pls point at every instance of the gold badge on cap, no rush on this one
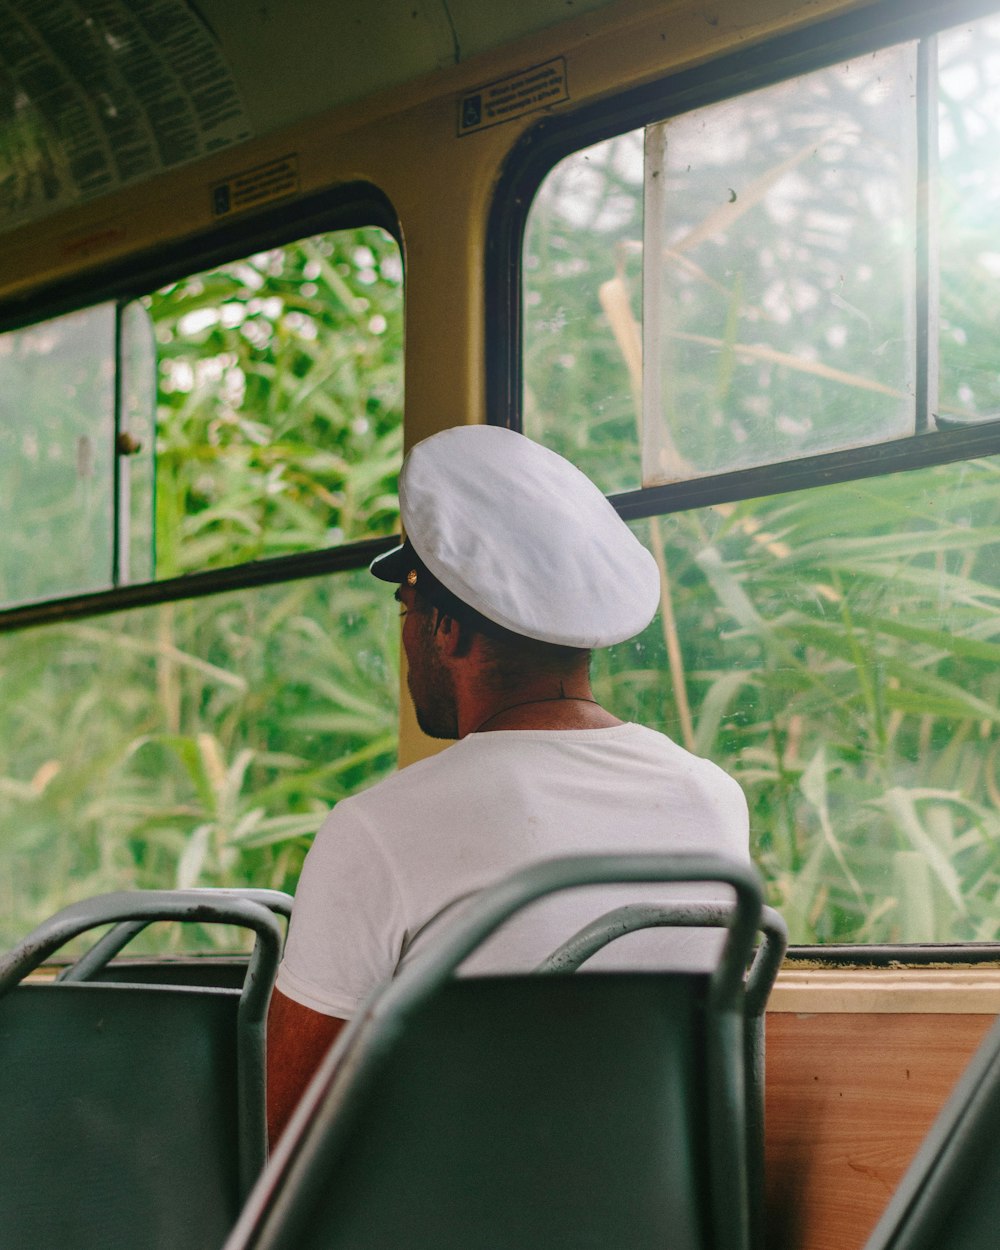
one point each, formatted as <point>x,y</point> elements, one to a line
<point>411,577</point>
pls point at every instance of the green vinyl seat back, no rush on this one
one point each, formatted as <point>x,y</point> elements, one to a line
<point>601,1110</point>
<point>555,1116</point>
<point>119,1111</point>
<point>576,950</point>
<point>132,1115</point>
<point>949,1197</point>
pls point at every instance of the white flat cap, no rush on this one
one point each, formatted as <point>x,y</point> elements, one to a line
<point>521,535</point>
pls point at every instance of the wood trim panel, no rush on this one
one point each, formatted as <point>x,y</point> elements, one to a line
<point>849,1098</point>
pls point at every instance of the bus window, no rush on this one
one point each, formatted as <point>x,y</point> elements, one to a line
<point>725,311</point>
<point>199,737</point>
<point>277,385</point>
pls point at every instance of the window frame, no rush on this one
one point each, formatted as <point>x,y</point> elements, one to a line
<point>764,64</point>
<point>349,206</point>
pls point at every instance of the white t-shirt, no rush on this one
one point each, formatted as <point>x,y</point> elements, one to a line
<point>387,864</point>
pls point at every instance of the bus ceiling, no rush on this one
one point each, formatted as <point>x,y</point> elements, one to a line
<point>95,97</point>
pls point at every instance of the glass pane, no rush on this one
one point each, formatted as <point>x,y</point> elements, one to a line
<point>582,291</point>
<point>195,743</point>
<point>969,207</point>
<point>838,651</point>
<point>280,402</point>
<point>778,298</point>
<point>56,468</point>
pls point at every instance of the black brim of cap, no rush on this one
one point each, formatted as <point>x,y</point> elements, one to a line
<point>393,566</point>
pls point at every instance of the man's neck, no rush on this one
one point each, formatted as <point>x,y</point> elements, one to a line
<point>535,710</point>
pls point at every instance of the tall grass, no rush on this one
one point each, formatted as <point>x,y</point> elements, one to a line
<point>840,654</point>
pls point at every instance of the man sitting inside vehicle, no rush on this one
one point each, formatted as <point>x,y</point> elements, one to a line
<point>514,568</point>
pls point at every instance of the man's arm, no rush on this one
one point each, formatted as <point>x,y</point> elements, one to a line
<point>297,1040</point>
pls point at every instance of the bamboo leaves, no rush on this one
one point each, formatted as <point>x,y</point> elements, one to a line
<point>846,671</point>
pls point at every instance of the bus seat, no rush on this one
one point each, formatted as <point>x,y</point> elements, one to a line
<point>576,950</point>
<point>529,1111</point>
<point>133,1115</point>
<point>949,1197</point>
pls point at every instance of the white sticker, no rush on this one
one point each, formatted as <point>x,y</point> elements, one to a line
<point>511,97</point>
<point>258,185</point>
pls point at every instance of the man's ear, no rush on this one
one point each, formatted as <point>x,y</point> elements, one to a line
<point>454,637</point>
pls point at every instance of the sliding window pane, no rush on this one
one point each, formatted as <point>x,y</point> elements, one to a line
<point>582,274</point>
<point>56,456</point>
<point>779,272</point>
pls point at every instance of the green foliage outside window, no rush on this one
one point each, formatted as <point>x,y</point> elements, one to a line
<point>838,651</point>
<point>280,383</point>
